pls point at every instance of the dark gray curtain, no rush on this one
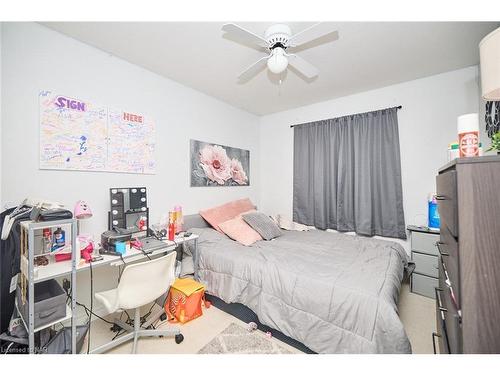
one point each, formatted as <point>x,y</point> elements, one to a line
<point>347,174</point>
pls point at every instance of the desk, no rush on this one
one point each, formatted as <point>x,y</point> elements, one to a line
<point>58,269</point>
<point>31,274</point>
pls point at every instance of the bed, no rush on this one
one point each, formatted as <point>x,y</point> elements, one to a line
<point>332,292</point>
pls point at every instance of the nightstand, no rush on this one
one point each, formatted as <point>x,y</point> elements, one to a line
<point>425,255</point>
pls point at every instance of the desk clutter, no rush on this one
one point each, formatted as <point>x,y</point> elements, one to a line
<point>45,238</point>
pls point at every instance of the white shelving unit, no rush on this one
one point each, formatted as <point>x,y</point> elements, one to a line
<point>31,274</point>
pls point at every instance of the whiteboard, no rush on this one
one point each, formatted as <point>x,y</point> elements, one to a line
<point>80,135</point>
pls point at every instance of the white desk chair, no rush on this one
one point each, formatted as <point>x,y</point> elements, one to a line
<point>140,284</point>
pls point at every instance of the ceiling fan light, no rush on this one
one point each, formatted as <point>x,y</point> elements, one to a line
<point>278,62</point>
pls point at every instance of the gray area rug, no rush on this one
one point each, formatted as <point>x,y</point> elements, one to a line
<point>237,340</point>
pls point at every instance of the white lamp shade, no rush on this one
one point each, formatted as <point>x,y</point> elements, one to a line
<point>489,51</point>
<point>278,62</point>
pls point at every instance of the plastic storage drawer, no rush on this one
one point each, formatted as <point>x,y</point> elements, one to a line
<point>50,303</point>
<point>425,264</point>
<point>423,285</point>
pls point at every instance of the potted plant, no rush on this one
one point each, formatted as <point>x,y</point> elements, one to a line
<point>495,142</point>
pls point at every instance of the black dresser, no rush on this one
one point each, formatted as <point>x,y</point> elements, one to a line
<point>468,295</point>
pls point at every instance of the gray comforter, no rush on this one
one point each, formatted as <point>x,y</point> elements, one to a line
<point>333,292</point>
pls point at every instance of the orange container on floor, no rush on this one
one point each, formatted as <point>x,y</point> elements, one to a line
<point>184,300</point>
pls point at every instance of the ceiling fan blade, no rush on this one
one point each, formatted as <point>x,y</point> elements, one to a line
<point>253,69</point>
<point>316,31</point>
<point>244,35</point>
<point>305,68</point>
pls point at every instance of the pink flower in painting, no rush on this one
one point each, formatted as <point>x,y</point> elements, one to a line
<point>215,163</point>
<point>238,173</point>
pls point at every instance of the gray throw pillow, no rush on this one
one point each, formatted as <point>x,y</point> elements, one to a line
<point>263,225</point>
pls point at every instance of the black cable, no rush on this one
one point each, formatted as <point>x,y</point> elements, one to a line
<point>146,316</point>
<point>151,308</point>
<point>119,333</point>
<point>91,304</point>
<point>128,316</point>
<point>162,306</point>
<point>93,313</point>
<point>140,248</point>
<point>121,271</point>
<point>87,311</point>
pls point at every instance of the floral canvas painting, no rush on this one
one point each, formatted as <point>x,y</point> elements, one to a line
<point>217,165</point>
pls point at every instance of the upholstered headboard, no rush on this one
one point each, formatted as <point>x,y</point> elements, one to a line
<point>195,221</point>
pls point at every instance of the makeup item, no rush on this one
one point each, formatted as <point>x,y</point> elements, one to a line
<point>468,135</point>
<point>178,219</point>
<point>171,225</point>
<point>171,231</point>
<point>59,239</point>
<point>47,240</point>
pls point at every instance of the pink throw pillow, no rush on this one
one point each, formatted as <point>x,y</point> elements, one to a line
<point>240,231</point>
<point>220,214</point>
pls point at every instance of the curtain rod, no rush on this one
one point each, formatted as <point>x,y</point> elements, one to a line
<point>398,107</point>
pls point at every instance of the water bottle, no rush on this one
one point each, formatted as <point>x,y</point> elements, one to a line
<point>434,221</point>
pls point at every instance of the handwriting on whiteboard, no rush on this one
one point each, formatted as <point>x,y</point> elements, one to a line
<point>80,135</point>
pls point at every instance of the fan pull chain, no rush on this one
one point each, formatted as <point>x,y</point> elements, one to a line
<point>280,83</point>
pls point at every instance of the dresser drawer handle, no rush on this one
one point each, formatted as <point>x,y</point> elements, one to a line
<point>434,335</point>
<point>441,197</point>
<point>438,245</point>
<point>438,301</point>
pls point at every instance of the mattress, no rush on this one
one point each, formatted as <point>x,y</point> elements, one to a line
<point>333,292</point>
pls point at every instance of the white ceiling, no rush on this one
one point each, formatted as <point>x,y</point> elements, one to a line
<point>367,55</point>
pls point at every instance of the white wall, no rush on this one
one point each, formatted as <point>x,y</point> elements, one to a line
<point>36,58</point>
<point>427,124</point>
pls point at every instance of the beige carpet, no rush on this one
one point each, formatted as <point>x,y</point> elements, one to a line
<point>417,314</point>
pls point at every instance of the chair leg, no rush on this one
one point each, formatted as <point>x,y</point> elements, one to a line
<point>137,332</point>
<point>113,344</point>
<point>137,327</point>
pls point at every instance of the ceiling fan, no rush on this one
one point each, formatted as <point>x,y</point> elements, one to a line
<point>278,40</point>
